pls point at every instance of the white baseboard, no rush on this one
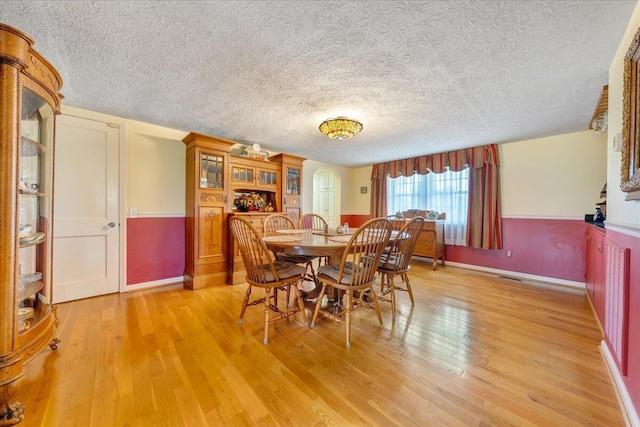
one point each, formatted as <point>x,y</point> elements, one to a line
<point>518,275</point>
<point>154,283</point>
<point>628,410</point>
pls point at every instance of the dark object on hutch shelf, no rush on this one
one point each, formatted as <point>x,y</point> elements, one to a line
<point>589,218</point>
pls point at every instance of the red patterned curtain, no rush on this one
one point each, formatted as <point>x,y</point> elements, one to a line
<point>484,228</point>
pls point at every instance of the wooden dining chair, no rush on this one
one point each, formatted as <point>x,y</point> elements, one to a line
<point>355,273</point>
<point>396,262</point>
<point>275,222</point>
<point>312,221</point>
<point>263,272</point>
<point>278,222</point>
<point>397,222</point>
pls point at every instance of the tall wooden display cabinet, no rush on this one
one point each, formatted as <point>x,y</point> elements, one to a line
<point>207,207</point>
<point>29,100</point>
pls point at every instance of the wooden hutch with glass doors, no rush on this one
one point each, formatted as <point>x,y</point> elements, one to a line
<point>215,178</point>
<point>29,101</point>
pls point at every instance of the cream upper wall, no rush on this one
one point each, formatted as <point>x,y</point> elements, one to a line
<point>534,183</point>
<point>359,203</point>
<point>619,211</point>
<point>155,170</point>
<point>555,177</point>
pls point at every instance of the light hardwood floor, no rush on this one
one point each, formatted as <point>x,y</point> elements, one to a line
<point>474,350</point>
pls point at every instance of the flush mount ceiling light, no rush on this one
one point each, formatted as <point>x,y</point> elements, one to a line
<point>340,128</point>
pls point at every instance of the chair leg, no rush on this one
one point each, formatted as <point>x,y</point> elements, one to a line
<point>266,314</point>
<point>318,304</point>
<point>313,272</point>
<point>348,308</point>
<point>405,278</point>
<point>376,306</point>
<point>300,303</point>
<point>288,296</point>
<point>244,304</point>
<point>392,289</point>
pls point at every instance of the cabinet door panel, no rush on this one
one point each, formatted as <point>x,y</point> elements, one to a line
<point>210,237</point>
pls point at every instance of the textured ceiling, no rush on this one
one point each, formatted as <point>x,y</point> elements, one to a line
<point>422,77</point>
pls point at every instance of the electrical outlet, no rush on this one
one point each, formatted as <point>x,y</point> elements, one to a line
<point>509,254</point>
<point>133,212</point>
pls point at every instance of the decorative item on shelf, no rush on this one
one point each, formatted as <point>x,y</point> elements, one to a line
<point>31,238</point>
<point>256,152</point>
<point>249,202</point>
<point>601,207</point>
<point>432,215</point>
<point>25,313</point>
<point>340,128</point>
<point>24,229</point>
<point>28,278</point>
<point>23,326</point>
<point>599,217</point>
<point>268,208</point>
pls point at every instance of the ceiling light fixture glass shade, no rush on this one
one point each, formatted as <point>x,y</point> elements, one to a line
<point>340,128</point>
<point>600,124</point>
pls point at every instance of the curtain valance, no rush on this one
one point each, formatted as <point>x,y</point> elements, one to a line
<point>475,158</point>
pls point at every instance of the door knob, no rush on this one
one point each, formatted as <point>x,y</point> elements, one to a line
<point>111,224</point>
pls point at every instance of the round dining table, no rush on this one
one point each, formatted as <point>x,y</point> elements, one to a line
<point>310,243</point>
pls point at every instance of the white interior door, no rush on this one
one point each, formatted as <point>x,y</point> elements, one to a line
<point>86,223</point>
<point>326,195</point>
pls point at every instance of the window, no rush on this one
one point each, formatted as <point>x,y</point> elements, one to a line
<point>446,192</point>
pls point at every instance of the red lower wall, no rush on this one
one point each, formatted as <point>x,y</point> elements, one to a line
<point>155,249</point>
<point>354,220</point>
<point>553,248</point>
<point>632,380</point>
<point>545,247</point>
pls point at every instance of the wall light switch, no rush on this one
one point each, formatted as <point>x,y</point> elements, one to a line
<point>133,212</point>
<point>617,142</point>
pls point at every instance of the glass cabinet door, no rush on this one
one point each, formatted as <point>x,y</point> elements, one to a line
<point>268,177</point>
<point>293,181</point>
<point>211,171</point>
<point>242,174</point>
<point>34,204</point>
